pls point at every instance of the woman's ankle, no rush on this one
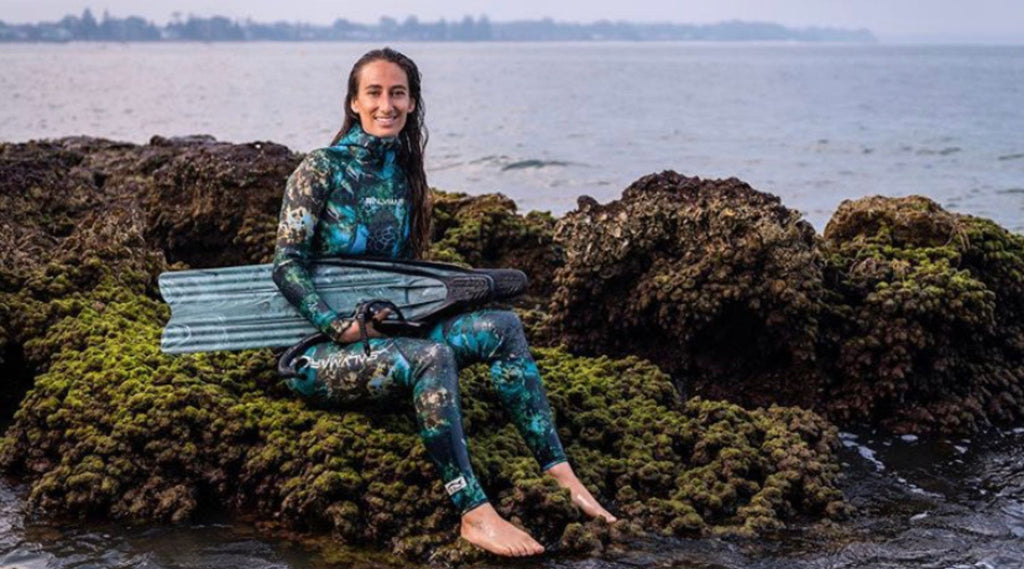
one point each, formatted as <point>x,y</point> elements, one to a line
<point>483,511</point>
<point>561,471</point>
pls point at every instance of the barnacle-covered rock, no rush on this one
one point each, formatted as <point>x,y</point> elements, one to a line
<point>486,231</point>
<point>61,237</point>
<point>202,202</point>
<point>79,211</point>
<point>114,427</point>
<point>210,203</point>
<point>930,318</point>
<point>717,283</point>
<point>213,203</point>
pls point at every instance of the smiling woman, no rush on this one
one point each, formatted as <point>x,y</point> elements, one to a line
<point>367,195</point>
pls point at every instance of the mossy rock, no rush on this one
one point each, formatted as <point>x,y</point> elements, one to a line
<point>717,283</point>
<point>487,231</point>
<point>203,202</point>
<point>928,332</point>
<point>79,211</point>
<point>116,428</point>
<point>211,204</point>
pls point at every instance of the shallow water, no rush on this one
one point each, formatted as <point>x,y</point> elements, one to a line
<point>547,122</point>
<point>920,504</point>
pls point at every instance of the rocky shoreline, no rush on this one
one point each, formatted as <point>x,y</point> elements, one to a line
<point>701,340</point>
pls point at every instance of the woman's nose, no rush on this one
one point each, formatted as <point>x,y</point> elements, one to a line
<point>385,102</point>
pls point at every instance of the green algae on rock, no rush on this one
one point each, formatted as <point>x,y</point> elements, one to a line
<point>104,249</point>
<point>75,210</point>
<point>114,427</point>
<point>486,231</point>
<point>717,283</point>
<point>929,317</point>
<point>78,212</point>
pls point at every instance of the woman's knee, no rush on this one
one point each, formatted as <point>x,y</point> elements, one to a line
<point>434,364</point>
<point>440,357</point>
<point>497,332</point>
<point>502,322</point>
<point>436,389</point>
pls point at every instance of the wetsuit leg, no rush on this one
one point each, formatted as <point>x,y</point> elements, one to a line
<point>337,376</point>
<point>496,337</point>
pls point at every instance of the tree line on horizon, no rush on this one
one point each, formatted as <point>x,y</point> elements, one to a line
<point>219,28</point>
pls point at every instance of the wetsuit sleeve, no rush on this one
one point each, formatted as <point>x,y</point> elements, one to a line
<point>305,196</point>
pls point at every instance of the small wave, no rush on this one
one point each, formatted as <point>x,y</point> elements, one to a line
<point>521,164</point>
<point>1012,156</point>
<point>944,152</point>
<point>1011,191</point>
<point>446,166</point>
<point>491,158</point>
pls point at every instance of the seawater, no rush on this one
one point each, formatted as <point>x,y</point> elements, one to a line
<point>546,122</point>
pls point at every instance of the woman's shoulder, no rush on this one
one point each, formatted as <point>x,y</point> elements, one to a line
<point>328,155</point>
<point>325,160</point>
<point>330,167</point>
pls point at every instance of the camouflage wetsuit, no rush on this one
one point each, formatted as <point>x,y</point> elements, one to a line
<point>352,199</point>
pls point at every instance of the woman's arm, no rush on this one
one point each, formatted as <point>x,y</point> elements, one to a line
<point>305,195</point>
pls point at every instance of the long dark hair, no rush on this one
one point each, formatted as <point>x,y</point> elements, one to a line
<point>412,141</point>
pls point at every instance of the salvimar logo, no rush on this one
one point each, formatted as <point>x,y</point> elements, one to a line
<point>382,201</point>
<point>455,485</point>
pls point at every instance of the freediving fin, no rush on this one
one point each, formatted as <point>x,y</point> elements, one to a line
<point>235,308</point>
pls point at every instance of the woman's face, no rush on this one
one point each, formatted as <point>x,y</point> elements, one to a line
<point>383,100</point>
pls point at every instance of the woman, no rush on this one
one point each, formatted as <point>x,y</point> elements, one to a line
<point>367,194</point>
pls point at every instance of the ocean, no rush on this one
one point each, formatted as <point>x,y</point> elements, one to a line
<point>545,123</point>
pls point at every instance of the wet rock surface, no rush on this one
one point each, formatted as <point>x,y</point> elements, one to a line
<point>921,503</point>
<point>199,201</point>
<point>210,203</point>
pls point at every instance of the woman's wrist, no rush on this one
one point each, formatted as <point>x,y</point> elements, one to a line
<point>343,330</point>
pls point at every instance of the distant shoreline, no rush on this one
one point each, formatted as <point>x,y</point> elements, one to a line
<point>135,29</point>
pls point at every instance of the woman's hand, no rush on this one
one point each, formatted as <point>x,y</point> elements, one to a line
<point>378,317</point>
<point>349,334</point>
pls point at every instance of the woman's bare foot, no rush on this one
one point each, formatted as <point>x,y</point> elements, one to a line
<point>484,528</point>
<point>582,497</point>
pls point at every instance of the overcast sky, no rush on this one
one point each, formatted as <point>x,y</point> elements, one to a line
<point>892,20</point>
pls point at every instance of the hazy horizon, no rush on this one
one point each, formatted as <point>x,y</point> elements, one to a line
<point>981,21</point>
